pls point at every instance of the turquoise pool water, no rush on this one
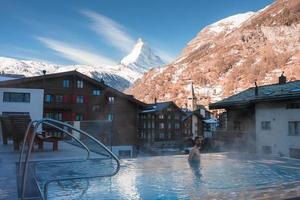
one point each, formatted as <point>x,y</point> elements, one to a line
<point>219,176</point>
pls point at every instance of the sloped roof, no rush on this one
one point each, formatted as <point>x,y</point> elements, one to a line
<point>274,92</point>
<point>159,106</point>
<point>190,113</point>
<point>74,72</point>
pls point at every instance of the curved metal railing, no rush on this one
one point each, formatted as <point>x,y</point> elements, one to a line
<point>23,170</point>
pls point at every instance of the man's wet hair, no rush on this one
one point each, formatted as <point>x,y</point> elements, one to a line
<point>196,138</point>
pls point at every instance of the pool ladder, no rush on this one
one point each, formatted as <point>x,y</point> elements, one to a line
<point>24,165</point>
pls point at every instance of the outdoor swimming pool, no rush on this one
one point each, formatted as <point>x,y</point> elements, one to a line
<point>220,175</point>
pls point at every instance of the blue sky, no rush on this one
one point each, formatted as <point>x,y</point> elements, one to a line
<point>104,31</point>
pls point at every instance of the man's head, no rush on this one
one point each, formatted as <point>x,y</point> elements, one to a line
<point>197,141</point>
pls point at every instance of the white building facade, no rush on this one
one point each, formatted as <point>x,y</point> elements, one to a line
<point>21,101</point>
<point>278,128</point>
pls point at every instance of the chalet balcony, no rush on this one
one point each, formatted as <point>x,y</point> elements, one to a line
<point>58,106</point>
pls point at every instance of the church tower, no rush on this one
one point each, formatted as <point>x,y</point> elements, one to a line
<point>192,100</point>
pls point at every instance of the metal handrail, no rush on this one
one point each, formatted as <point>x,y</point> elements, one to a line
<point>48,122</point>
<point>23,146</point>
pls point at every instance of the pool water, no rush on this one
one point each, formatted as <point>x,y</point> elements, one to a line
<point>219,176</point>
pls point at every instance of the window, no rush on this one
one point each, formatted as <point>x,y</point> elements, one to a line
<point>169,125</point>
<point>295,153</point>
<point>294,128</point>
<point>16,97</point>
<point>293,106</point>
<point>169,116</point>
<point>161,135</point>
<point>110,117</point>
<point>66,83</point>
<point>160,116</point>
<point>48,98</point>
<point>237,125</point>
<point>96,108</point>
<point>266,125</point>
<point>79,84</point>
<point>177,125</point>
<point>111,100</point>
<point>59,98</point>
<point>96,92</point>
<point>170,135</point>
<point>49,115</point>
<point>79,117</point>
<point>149,124</point>
<point>79,99</point>
<point>144,125</point>
<point>177,116</point>
<point>161,125</point>
<point>15,113</point>
<point>153,124</point>
<point>124,153</point>
<point>266,149</point>
<point>58,116</point>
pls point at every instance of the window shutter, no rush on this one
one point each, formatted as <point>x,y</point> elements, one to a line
<point>85,116</point>
<point>66,116</point>
<point>73,116</point>
<point>74,99</point>
<point>85,99</point>
<point>106,100</point>
<point>65,99</point>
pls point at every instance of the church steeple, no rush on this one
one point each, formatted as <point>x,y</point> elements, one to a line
<point>192,99</point>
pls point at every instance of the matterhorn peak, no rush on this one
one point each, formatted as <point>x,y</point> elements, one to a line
<point>140,40</point>
<point>141,58</point>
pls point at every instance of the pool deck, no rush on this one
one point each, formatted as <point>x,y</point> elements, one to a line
<point>9,157</point>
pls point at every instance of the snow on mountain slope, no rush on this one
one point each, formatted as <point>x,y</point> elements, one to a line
<point>230,23</point>
<point>120,76</point>
<point>141,58</point>
<point>25,67</point>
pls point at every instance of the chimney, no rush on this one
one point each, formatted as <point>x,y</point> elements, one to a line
<point>155,100</point>
<point>282,79</point>
<point>256,89</point>
<point>44,72</point>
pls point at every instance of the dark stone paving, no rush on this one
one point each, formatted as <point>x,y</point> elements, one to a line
<point>8,181</point>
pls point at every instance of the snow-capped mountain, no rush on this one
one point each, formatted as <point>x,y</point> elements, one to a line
<point>142,58</point>
<point>228,56</point>
<point>120,76</point>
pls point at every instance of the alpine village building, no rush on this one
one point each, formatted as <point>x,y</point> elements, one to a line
<point>127,122</point>
<point>265,119</point>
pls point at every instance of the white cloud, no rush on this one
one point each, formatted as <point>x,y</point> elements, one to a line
<point>76,54</point>
<point>113,32</point>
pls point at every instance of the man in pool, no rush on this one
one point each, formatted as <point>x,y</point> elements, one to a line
<point>194,155</point>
